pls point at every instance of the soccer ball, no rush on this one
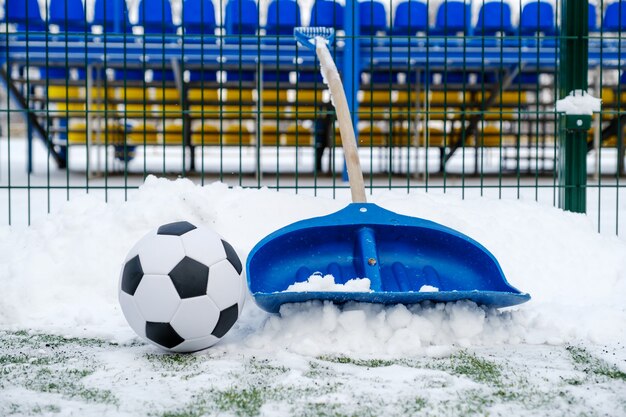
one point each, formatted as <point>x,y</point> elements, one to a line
<point>181,287</point>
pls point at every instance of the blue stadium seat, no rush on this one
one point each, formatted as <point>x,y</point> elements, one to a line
<point>327,13</point>
<point>282,17</point>
<point>494,17</point>
<point>69,15</point>
<point>453,17</point>
<point>25,14</point>
<point>411,17</point>
<point>156,16</point>
<point>116,14</point>
<point>242,17</point>
<point>537,17</point>
<point>593,18</point>
<point>372,18</point>
<point>199,17</point>
<point>615,17</point>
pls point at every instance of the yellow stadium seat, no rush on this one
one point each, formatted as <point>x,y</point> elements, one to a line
<point>65,99</point>
<point>203,95</point>
<point>404,137</point>
<point>374,105</point>
<point>204,103</point>
<point>275,104</point>
<point>239,104</point>
<point>445,98</point>
<point>271,135</point>
<point>172,134</point>
<point>490,136</point>
<point>167,103</point>
<point>236,134</point>
<point>143,134</point>
<point>368,136</point>
<point>305,112</point>
<point>307,96</point>
<point>297,135</point>
<point>404,98</point>
<point>110,133</point>
<point>101,100</point>
<point>134,101</point>
<point>505,107</point>
<point>205,134</point>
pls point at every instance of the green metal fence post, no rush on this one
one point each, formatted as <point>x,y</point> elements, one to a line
<point>573,133</point>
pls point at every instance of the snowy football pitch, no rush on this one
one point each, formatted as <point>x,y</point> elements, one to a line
<point>66,350</point>
<point>45,374</point>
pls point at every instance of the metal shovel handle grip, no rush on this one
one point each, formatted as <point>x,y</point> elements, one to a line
<point>348,141</point>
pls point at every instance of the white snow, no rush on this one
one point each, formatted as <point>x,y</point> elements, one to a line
<point>579,102</point>
<point>428,288</point>
<point>60,275</point>
<point>319,282</point>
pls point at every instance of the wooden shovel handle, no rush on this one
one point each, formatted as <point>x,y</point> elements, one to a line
<point>348,141</point>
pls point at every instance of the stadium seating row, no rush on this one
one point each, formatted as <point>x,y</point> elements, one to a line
<point>242,17</point>
<point>211,112</point>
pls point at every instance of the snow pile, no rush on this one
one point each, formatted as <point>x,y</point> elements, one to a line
<point>61,274</point>
<point>428,288</point>
<point>579,102</point>
<point>397,330</point>
<point>319,282</point>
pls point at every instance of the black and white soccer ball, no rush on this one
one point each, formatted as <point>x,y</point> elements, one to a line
<point>181,287</point>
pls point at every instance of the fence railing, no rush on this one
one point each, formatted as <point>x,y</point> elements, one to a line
<point>447,96</point>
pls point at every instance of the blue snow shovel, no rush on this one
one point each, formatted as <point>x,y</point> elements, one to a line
<point>407,260</point>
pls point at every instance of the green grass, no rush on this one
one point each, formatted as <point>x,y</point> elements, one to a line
<point>366,363</point>
<point>51,364</point>
<point>41,340</point>
<point>236,401</point>
<point>320,409</point>
<point>57,371</point>
<point>241,402</point>
<point>471,366</point>
<point>21,409</point>
<point>265,367</point>
<point>171,361</point>
<point>593,366</point>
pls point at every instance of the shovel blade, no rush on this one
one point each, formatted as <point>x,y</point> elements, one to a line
<point>399,254</point>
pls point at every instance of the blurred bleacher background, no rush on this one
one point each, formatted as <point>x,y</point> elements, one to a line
<point>105,89</point>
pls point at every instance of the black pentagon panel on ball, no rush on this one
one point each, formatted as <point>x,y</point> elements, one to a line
<point>176,229</point>
<point>228,317</point>
<point>190,278</point>
<point>163,334</point>
<point>131,276</point>
<point>232,257</point>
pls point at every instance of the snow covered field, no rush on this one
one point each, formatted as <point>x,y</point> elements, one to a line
<point>65,348</point>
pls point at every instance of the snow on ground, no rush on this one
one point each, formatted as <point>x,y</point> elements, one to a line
<point>67,349</point>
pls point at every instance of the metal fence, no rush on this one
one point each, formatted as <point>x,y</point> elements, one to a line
<point>446,96</point>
